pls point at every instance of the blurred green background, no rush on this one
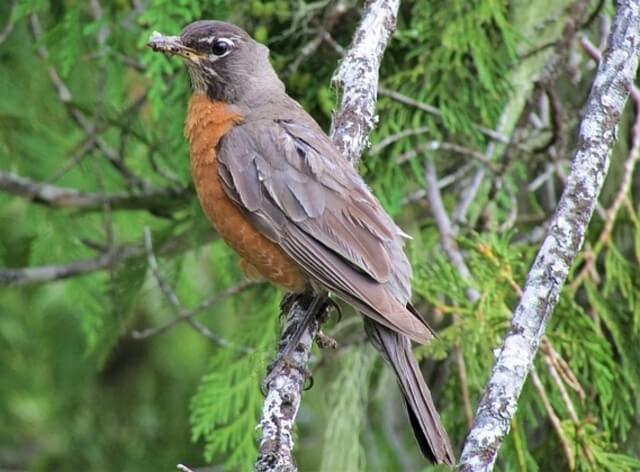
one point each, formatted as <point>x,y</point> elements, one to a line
<point>92,155</point>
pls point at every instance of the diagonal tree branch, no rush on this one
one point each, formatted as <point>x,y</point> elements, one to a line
<point>74,112</point>
<point>107,260</point>
<point>425,107</point>
<point>159,201</point>
<point>567,227</point>
<point>611,213</point>
<point>357,77</point>
<point>51,273</point>
<point>182,313</point>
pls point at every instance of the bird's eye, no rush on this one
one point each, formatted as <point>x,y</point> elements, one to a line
<point>220,47</point>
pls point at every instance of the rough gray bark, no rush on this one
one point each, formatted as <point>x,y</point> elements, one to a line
<point>357,77</point>
<point>284,395</point>
<point>608,96</point>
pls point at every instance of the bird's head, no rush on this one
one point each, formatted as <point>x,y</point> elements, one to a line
<point>224,62</point>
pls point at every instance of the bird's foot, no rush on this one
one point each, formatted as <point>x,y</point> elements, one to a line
<point>317,307</point>
<point>331,303</point>
<point>278,367</point>
<point>325,342</point>
<point>295,331</point>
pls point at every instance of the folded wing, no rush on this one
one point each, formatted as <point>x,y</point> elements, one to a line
<point>299,192</point>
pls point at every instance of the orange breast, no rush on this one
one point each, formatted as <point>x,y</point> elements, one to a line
<point>207,122</point>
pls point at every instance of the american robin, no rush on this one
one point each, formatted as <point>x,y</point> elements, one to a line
<point>279,193</point>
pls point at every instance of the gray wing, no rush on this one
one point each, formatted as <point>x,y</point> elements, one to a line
<point>299,192</point>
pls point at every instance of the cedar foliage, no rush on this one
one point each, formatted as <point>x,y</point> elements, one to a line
<point>78,392</point>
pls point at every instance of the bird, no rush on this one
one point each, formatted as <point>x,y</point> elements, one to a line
<point>281,195</point>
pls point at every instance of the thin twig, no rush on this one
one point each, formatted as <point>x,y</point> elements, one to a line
<point>393,138</point>
<point>505,124</point>
<point>337,10</point>
<point>82,151</point>
<point>78,117</point>
<point>555,421</point>
<point>444,146</point>
<point>181,312</point>
<point>8,28</point>
<point>566,399</point>
<point>184,315</point>
<point>105,261</point>
<point>464,384</point>
<point>159,201</point>
<point>401,98</point>
<point>562,368</point>
<point>450,247</point>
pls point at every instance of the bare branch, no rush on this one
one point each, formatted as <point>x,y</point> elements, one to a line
<point>159,201</point>
<point>447,232</point>
<point>107,260</point>
<point>8,28</point>
<point>172,298</point>
<point>185,315</point>
<point>284,395</point>
<point>398,97</point>
<point>451,250</point>
<point>450,247</point>
<point>609,93</point>
<point>357,78</point>
<point>36,275</point>
<point>629,166</point>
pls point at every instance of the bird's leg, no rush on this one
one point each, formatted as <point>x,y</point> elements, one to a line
<point>290,340</point>
<point>287,302</point>
<point>316,309</point>
<point>322,340</point>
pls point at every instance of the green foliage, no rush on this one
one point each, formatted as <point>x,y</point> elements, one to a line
<point>79,393</point>
<point>227,404</point>
<point>347,400</point>
<point>466,47</point>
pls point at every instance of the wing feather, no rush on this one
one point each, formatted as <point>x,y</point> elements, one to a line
<point>300,193</point>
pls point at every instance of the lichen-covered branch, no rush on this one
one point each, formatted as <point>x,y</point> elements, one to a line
<point>567,227</point>
<point>357,77</point>
<point>284,395</point>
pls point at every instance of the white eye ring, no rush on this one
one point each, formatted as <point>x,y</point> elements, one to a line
<point>220,47</point>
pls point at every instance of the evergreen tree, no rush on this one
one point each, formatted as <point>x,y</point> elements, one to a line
<point>129,339</point>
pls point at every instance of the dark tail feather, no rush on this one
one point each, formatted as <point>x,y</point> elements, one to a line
<point>396,350</point>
